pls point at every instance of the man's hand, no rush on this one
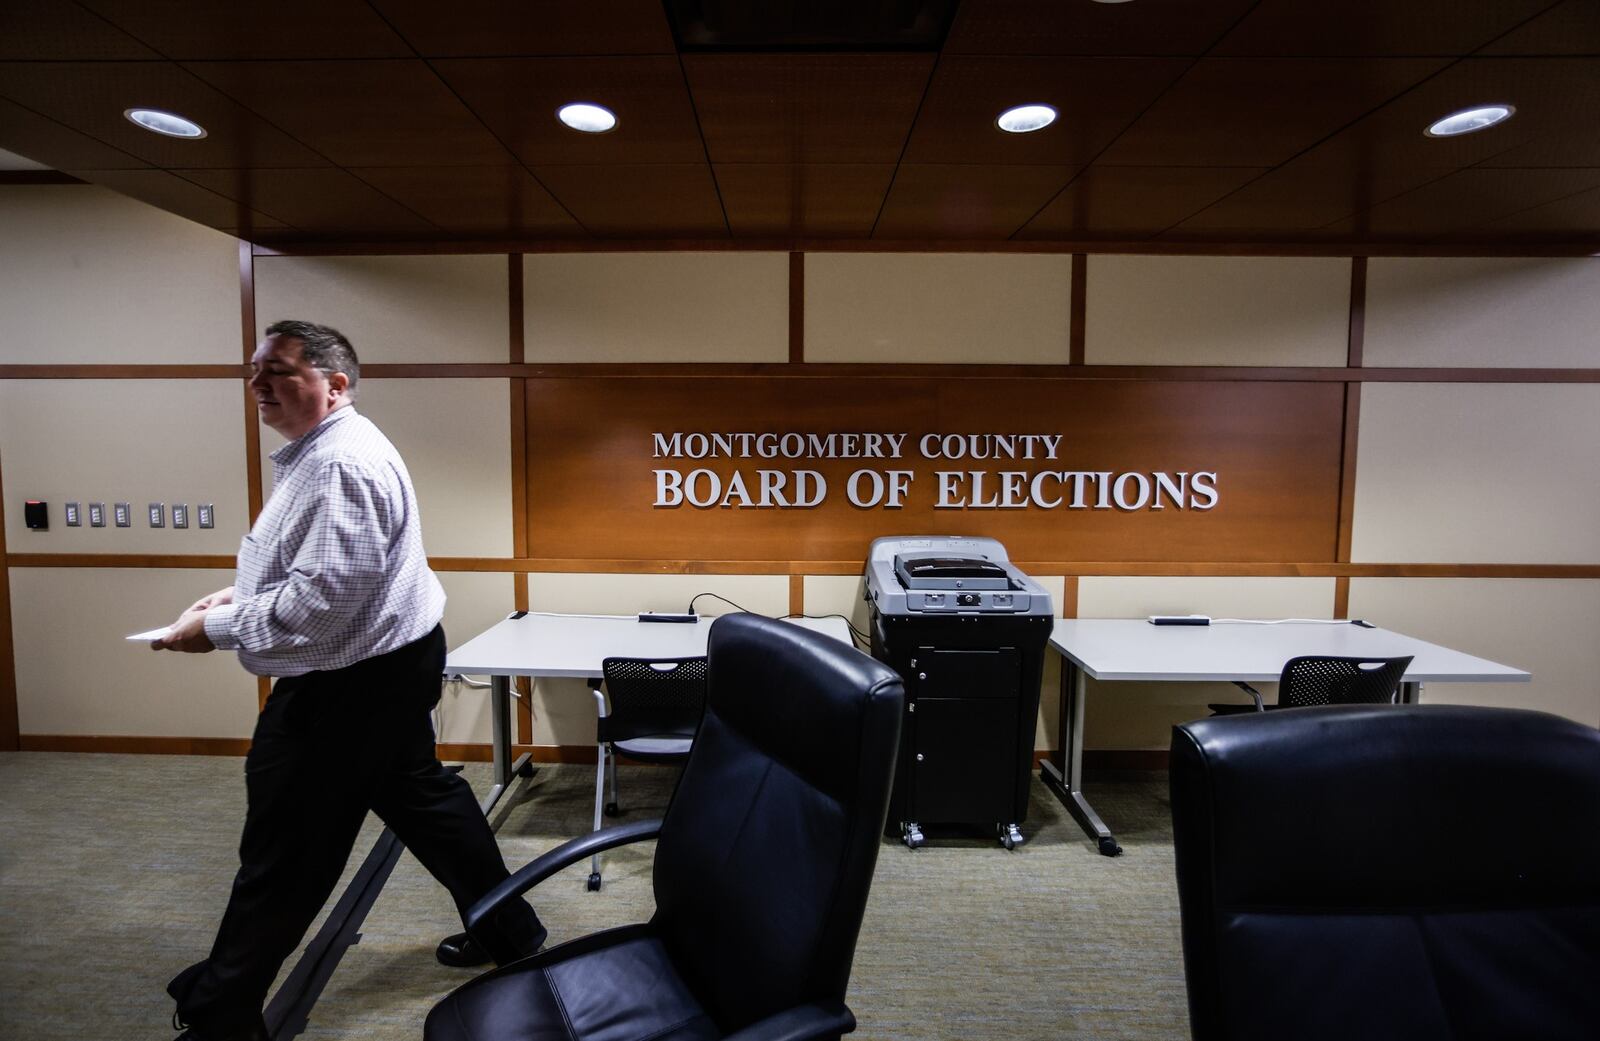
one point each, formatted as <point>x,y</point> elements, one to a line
<point>217,599</point>
<point>188,633</point>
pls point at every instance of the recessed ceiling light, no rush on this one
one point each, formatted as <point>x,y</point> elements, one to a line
<point>1025,119</point>
<point>1469,120</point>
<point>165,123</point>
<point>587,118</point>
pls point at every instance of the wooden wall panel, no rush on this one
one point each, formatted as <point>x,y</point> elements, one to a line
<point>1274,447</point>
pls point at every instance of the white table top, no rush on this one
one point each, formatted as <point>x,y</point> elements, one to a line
<point>1133,649</point>
<point>575,645</point>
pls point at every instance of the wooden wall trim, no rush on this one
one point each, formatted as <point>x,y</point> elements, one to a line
<point>1341,597</point>
<point>1358,312</point>
<point>517,352</point>
<point>8,659</point>
<point>134,744</point>
<point>1069,597</point>
<point>797,308</point>
<point>838,370</point>
<point>797,594</point>
<point>139,560</point>
<point>1566,248</point>
<point>1079,309</point>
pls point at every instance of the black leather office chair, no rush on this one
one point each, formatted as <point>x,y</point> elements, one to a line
<point>649,712</point>
<point>1418,872</point>
<point>1312,680</point>
<point>762,866</point>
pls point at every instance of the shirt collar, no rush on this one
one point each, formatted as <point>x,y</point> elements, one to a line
<point>285,454</point>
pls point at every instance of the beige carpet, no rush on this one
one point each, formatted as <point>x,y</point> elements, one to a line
<point>114,870</point>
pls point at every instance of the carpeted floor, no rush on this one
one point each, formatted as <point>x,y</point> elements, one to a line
<point>114,871</point>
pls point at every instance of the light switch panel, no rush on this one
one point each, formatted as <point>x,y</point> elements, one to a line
<point>74,518</point>
<point>180,515</point>
<point>97,515</point>
<point>158,515</point>
<point>122,514</point>
<point>207,519</point>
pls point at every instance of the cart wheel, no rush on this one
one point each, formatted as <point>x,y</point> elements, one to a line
<point>594,882</point>
<point>613,810</point>
<point>1008,842</point>
<point>1010,835</point>
<point>911,835</point>
<point>527,769</point>
<point>1109,847</point>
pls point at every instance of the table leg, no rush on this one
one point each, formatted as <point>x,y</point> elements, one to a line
<point>504,768</point>
<point>1410,693</point>
<point>1068,785</point>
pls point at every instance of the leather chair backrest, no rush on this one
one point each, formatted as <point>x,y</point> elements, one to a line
<point>1417,872</point>
<point>767,850</point>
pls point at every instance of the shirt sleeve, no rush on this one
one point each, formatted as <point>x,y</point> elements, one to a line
<point>339,561</point>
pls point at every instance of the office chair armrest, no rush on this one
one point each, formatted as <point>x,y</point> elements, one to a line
<point>564,855</point>
<point>800,1023</point>
<point>1261,706</point>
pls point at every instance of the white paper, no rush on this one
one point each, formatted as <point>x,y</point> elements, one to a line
<point>153,634</point>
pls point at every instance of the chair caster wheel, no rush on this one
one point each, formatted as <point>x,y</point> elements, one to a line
<point>1010,835</point>
<point>613,810</point>
<point>594,882</point>
<point>1109,847</point>
<point>527,769</point>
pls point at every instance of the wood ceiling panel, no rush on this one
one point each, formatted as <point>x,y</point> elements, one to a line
<point>1572,27</point>
<point>1575,217</point>
<point>1373,27</point>
<point>518,98</point>
<point>530,27</point>
<point>170,192</point>
<point>813,108</point>
<point>645,201</point>
<point>474,200</point>
<point>49,30</point>
<point>91,96</point>
<point>802,201</point>
<point>1148,27</point>
<point>319,203</point>
<point>289,29</point>
<point>1097,99</point>
<point>966,202</point>
<point>1299,198</point>
<point>46,141</point>
<point>1126,202</point>
<point>361,113</point>
<point>1463,201</point>
<point>1260,111</point>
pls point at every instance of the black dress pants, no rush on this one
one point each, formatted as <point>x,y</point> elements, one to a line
<point>328,747</point>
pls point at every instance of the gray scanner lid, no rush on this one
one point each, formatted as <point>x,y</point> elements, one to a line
<point>917,572</point>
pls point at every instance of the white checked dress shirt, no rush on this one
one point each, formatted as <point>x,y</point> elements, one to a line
<point>333,571</point>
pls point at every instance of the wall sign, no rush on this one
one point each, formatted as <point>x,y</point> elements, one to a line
<point>774,469</point>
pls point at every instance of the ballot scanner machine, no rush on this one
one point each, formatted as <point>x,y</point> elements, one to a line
<point>966,629</point>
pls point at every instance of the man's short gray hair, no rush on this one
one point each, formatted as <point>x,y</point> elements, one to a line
<point>323,347</point>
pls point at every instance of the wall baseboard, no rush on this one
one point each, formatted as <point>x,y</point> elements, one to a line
<point>1106,759</point>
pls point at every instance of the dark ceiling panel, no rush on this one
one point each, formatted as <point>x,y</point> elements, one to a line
<point>503,28</point>
<point>1373,27</point>
<point>966,202</point>
<point>802,201</point>
<point>290,29</point>
<point>1463,201</point>
<point>1097,99</point>
<point>91,97</point>
<point>361,113</point>
<point>473,201</point>
<point>326,203</point>
<point>1260,111</point>
<point>518,98</point>
<point>51,30</point>
<point>46,141</point>
<point>174,194</point>
<point>1055,27</point>
<point>1572,27</point>
<point>817,108</point>
<point>639,201</point>
<point>1565,220</point>
<point>1130,202</point>
<point>1300,197</point>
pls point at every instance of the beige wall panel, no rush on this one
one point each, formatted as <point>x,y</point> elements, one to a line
<point>92,277</point>
<point>395,309</point>
<point>134,441</point>
<point>1146,310</point>
<point>837,594</point>
<point>996,308</point>
<point>1478,473</point>
<point>77,675</point>
<point>564,709</point>
<point>1141,715</point>
<point>455,437</point>
<point>656,307</point>
<point>476,601</point>
<point>1545,626</point>
<point>1483,311</point>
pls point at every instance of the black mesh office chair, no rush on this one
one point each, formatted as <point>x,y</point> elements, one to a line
<point>654,709</point>
<point>1313,680</point>
<point>762,866</point>
<point>1406,873</point>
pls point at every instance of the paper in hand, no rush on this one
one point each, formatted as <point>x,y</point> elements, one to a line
<point>152,635</point>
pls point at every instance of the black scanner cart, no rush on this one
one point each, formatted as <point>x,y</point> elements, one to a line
<point>966,630</point>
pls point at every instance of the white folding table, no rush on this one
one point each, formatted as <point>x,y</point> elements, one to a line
<point>1134,649</point>
<point>574,646</point>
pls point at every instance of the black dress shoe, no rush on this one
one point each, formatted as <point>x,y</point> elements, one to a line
<point>256,1031</point>
<point>460,951</point>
